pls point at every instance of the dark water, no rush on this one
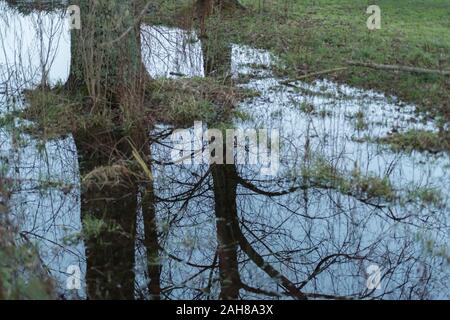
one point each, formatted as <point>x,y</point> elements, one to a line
<point>320,238</point>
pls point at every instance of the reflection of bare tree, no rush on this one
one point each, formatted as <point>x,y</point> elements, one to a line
<point>222,231</point>
<point>108,208</point>
<point>229,233</point>
<point>106,60</point>
<point>226,217</point>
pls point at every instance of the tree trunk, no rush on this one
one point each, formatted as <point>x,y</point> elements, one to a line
<point>107,68</point>
<point>108,214</point>
<point>205,8</point>
<point>106,57</point>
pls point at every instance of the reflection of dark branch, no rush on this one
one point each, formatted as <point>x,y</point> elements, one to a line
<point>324,264</point>
<point>257,190</point>
<point>230,234</point>
<point>266,267</point>
<point>260,291</point>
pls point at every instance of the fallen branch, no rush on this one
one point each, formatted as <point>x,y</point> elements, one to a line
<point>398,68</point>
<point>314,74</point>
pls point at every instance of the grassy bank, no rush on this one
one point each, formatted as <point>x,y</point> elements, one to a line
<point>315,35</point>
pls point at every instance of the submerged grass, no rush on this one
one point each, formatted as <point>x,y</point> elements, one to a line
<point>369,188</point>
<point>419,140</point>
<point>323,174</point>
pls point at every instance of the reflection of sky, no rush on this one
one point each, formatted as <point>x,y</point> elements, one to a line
<point>46,216</point>
<point>314,224</point>
<point>32,41</point>
<point>170,53</point>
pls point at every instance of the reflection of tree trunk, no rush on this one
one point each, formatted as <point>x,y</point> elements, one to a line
<point>108,213</point>
<point>5,237</point>
<point>107,69</point>
<point>110,254</point>
<point>217,63</point>
<point>151,241</point>
<point>226,216</point>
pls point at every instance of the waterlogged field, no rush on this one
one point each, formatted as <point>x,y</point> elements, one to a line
<point>347,214</point>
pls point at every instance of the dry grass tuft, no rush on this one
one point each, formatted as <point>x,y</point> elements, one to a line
<point>113,176</point>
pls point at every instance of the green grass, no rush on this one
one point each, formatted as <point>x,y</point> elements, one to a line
<point>183,101</point>
<point>315,35</point>
<point>318,35</point>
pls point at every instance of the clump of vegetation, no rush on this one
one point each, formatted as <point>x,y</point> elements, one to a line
<point>93,227</point>
<point>431,247</point>
<point>428,196</point>
<point>324,175</point>
<point>307,107</point>
<point>183,101</point>
<point>419,140</point>
<point>26,7</point>
<point>116,175</point>
<point>52,112</point>
<point>56,112</point>
<point>360,121</point>
<point>311,109</point>
<point>373,186</point>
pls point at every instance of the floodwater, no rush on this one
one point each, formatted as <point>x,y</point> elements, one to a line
<point>319,122</point>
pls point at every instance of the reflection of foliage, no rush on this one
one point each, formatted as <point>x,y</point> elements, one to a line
<point>93,227</point>
<point>111,176</point>
<point>27,7</point>
<point>433,248</point>
<point>93,230</point>
<point>427,196</point>
<point>21,272</point>
<point>19,277</point>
